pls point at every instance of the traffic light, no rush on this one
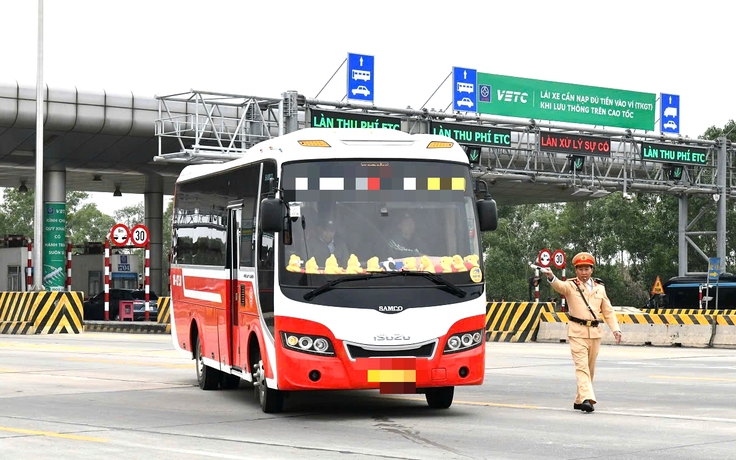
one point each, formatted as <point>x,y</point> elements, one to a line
<point>577,162</point>
<point>473,153</point>
<point>674,172</point>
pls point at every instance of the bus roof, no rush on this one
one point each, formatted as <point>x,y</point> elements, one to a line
<point>360,141</point>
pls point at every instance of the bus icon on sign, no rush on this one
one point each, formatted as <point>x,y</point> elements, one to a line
<point>465,87</point>
<point>364,75</point>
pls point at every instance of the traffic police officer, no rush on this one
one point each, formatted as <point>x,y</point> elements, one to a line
<point>588,307</point>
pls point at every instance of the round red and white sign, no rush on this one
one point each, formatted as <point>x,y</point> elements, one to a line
<point>140,235</point>
<point>544,258</point>
<point>120,234</point>
<point>558,259</point>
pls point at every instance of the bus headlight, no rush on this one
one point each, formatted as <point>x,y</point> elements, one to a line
<point>463,341</point>
<point>305,343</point>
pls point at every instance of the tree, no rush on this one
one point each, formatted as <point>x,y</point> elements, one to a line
<point>131,215</point>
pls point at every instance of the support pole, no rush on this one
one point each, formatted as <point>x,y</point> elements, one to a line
<point>68,266</point>
<point>147,273</point>
<point>107,280</point>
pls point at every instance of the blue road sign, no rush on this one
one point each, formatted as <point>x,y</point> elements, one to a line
<point>714,268</point>
<point>361,76</point>
<point>464,89</point>
<point>669,116</point>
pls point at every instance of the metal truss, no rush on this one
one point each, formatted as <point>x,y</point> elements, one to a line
<point>215,127</point>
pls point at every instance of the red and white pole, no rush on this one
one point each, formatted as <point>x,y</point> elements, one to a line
<point>700,296</point>
<point>107,280</point>
<point>69,266</point>
<point>147,273</point>
<point>29,267</point>
<point>536,285</point>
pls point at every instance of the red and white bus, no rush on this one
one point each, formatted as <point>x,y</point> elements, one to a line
<point>259,294</point>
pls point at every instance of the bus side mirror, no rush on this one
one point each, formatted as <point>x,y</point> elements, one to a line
<point>272,215</point>
<point>487,215</point>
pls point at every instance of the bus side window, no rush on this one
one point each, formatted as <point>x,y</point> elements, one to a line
<point>247,226</point>
<point>266,249</point>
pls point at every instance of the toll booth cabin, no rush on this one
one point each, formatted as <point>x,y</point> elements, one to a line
<point>690,292</point>
<point>88,269</point>
<point>13,263</point>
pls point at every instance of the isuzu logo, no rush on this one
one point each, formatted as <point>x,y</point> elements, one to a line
<point>390,308</point>
<point>390,337</point>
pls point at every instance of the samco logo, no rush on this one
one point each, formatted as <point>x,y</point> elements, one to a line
<point>390,308</point>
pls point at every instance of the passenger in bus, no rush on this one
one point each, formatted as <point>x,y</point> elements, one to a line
<point>325,244</point>
<point>404,242</point>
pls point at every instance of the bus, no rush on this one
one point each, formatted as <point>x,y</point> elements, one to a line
<point>252,300</point>
<point>696,292</point>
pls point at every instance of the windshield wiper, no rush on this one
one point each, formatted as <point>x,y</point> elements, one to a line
<point>445,285</point>
<point>331,284</point>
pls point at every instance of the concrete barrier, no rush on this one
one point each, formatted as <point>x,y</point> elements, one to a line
<point>42,312</point>
<point>725,336</point>
<point>514,321</point>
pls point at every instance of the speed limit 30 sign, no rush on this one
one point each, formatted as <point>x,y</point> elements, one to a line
<point>140,236</point>
<point>558,259</point>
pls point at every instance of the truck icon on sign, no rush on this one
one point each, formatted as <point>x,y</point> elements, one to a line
<point>670,112</point>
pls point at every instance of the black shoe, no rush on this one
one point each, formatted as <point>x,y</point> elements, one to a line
<point>577,406</point>
<point>587,406</point>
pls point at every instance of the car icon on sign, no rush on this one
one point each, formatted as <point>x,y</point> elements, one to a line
<point>361,90</point>
<point>669,124</point>
<point>465,102</point>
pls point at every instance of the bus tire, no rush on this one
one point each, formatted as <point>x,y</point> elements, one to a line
<point>440,398</point>
<point>271,400</point>
<point>207,377</point>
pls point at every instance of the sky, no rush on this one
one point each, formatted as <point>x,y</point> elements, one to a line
<point>264,48</point>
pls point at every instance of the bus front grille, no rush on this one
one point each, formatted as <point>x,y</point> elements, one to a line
<point>425,350</point>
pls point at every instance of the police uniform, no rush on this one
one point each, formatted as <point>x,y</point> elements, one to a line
<point>584,330</point>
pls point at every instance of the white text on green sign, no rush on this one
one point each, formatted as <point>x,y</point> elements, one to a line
<point>548,100</point>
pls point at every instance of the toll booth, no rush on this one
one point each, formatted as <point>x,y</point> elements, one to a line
<point>88,269</point>
<point>13,263</point>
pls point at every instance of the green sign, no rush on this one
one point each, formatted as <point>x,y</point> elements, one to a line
<point>54,246</point>
<point>329,119</point>
<point>485,136</point>
<point>673,153</point>
<point>549,100</point>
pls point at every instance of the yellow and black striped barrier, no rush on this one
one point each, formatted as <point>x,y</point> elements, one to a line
<point>514,321</point>
<point>164,312</point>
<point>687,311</point>
<point>42,312</point>
<point>640,318</point>
<point>128,327</point>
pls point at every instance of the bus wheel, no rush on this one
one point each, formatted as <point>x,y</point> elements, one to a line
<point>229,381</point>
<point>271,400</point>
<point>440,398</point>
<point>207,377</point>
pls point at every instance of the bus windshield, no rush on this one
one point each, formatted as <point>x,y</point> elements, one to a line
<point>358,217</point>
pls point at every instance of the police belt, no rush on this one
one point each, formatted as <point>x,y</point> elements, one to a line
<point>589,322</point>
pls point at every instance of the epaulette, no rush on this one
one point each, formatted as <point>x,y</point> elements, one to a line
<point>599,281</point>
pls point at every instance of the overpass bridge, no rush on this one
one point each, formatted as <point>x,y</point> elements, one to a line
<point>100,142</point>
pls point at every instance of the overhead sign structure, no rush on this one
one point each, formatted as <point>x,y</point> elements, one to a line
<point>657,288</point>
<point>544,258</point>
<point>140,235</point>
<point>549,100</point>
<point>120,234</point>
<point>673,153</point>
<point>558,259</point>
<point>464,87</point>
<point>574,144</point>
<point>484,136</point>
<point>361,76</point>
<point>669,116</point>
<point>330,119</point>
